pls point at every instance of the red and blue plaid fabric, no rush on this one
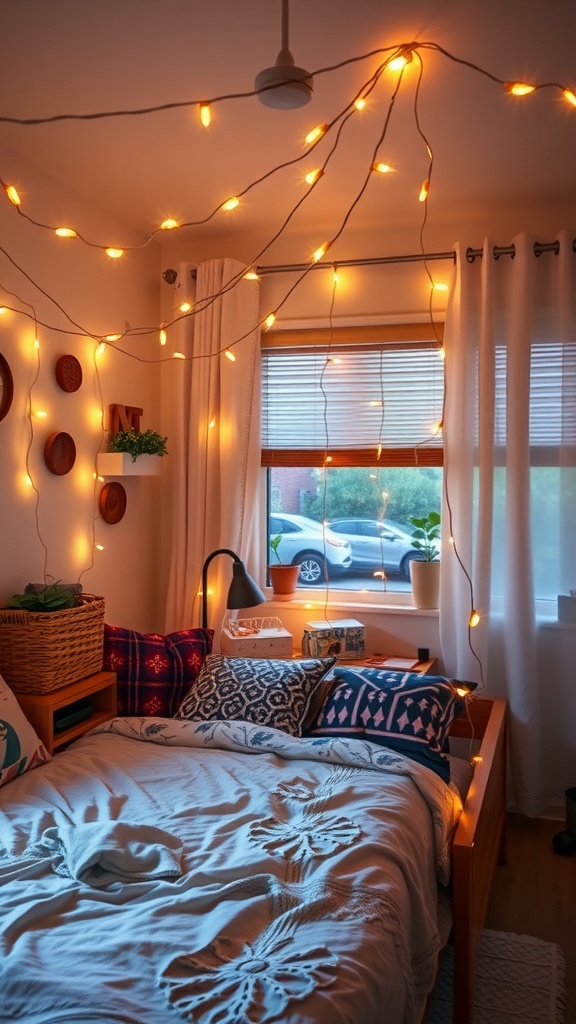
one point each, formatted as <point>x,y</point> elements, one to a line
<point>154,672</point>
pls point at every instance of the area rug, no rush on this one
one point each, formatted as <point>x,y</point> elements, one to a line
<point>519,980</point>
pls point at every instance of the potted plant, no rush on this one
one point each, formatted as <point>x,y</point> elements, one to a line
<point>138,442</point>
<point>425,566</point>
<point>284,578</point>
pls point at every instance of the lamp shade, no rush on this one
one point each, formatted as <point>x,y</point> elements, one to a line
<point>243,593</point>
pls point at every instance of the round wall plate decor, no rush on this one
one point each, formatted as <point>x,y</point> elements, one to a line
<point>60,453</point>
<point>68,373</point>
<point>112,502</point>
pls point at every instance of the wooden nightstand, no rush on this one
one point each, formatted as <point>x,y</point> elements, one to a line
<point>92,700</point>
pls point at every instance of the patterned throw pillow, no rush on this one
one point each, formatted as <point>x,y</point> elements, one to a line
<point>259,690</point>
<point>154,671</point>
<point>405,712</point>
<point>20,747</point>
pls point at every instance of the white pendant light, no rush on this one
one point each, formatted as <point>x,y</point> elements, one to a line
<point>284,86</point>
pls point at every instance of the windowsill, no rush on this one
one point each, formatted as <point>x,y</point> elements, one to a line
<point>386,605</point>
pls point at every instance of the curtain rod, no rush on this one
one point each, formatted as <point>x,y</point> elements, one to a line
<point>420,257</point>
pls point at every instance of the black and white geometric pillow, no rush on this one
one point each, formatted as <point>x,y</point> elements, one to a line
<point>263,691</point>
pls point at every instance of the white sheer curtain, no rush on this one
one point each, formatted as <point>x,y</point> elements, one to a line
<point>509,437</point>
<point>216,447</point>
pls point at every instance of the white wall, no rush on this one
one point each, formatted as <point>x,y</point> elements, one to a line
<point>74,291</point>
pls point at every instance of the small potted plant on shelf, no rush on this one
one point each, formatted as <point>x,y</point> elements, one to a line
<point>425,566</point>
<point>138,442</point>
<point>283,577</point>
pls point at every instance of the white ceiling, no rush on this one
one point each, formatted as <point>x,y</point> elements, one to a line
<point>491,150</point>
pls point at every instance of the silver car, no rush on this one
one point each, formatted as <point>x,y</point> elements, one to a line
<point>307,543</point>
<point>377,545</point>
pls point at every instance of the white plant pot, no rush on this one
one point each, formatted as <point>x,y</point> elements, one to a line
<point>425,578</point>
<point>122,464</point>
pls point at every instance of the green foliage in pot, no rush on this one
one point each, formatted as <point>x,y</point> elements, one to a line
<point>274,542</point>
<point>136,442</point>
<point>52,598</point>
<point>426,532</point>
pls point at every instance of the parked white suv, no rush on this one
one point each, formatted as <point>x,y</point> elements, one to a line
<point>307,543</point>
<point>378,545</point>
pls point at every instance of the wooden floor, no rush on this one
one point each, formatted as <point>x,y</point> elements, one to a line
<point>534,893</point>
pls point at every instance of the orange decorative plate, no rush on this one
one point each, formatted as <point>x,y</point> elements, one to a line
<point>112,502</point>
<point>60,453</point>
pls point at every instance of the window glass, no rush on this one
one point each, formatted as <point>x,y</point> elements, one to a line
<point>354,521</point>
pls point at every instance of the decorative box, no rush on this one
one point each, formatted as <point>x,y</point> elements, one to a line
<point>256,638</point>
<point>340,638</point>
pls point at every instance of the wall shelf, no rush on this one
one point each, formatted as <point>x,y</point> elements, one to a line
<point>122,464</point>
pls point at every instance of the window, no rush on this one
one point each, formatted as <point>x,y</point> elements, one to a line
<point>351,441</point>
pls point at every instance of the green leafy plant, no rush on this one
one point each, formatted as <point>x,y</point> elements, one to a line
<point>136,442</point>
<point>52,598</point>
<point>426,531</point>
<point>274,542</point>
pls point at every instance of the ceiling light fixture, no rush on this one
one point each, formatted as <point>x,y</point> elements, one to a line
<point>284,86</point>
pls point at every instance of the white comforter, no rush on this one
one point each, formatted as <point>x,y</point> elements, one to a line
<point>268,879</point>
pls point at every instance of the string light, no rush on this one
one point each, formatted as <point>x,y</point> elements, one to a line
<point>205,114</point>
<point>66,233</point>
<point>312,176</point>
<point>231,203</point>
<point>113,253</point>
<point>315,134</point>
<point>270,320</point>
<point>185,307</point>
<point>178,355</point>
<point>113,337</point>
<point>230,355</point>
<point>519,88</point>
<point>251,275</point>
<point>360,103</point>
<point>382,168</point>
<point>320,252</point>
<point>424,191</point>
<point>12,194</point>
<point>569,96</point>
<point>169,224</point>
<point>162,336</point>
<point>474,619</point>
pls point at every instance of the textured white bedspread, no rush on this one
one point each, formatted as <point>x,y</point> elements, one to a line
<point>307,891</point>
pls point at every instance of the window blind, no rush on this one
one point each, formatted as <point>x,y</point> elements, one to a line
<point>352,404</point>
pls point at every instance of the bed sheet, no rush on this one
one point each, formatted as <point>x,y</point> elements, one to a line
<point>305,887</point>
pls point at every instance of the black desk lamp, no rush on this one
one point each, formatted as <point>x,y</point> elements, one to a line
<point>243,593</point>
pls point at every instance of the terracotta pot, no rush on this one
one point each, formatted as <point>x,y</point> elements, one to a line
<point>284,579</point>
<point>425,578</point>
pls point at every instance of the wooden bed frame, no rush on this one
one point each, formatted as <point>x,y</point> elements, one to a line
<point>479,842</point>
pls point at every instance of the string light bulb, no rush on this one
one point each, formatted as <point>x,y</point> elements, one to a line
<point>65,232</point>
<point>12,194</point>
<point>316,133</point>
<point>270,320</point>
<point>230,355</point>
<point>169,224</point>
<point>320,252</point>
<point>424,191</point>
<point>113,253</point>
<point>313,176</point>
<point>400,61</point>
<point>251,275</point>
<point>519,88</point>
<point>569,96</point>
<point>360,103</point>
<point>474,619</point>
<point>231,203</point>
<point>381,168</point>
<point>162,336</point>
<point>185,307</point>
<point>205,114</point>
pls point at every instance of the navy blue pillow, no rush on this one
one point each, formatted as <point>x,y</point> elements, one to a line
<point>403,711</point>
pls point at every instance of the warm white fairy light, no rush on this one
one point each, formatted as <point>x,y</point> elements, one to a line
<point>424,191</point>
<point>474,619</point>
<point>101,348</point>
<point>230,355</point>
<point>13,195</point>
<point>360,103</point>
<point>178,355</point>
<point>66,232</point>
<point>320,252</point>
<point>311,176</point>
<point>316,133</point>
<point>185,307</point>
<point>230,204</point>
<point>162,337</point>
<point>519,88</point>
<point>169,224</point>
<point>569,96</point>
<point>113,253</point>
<point>381,168</point>
<point>270,320</point>
<point>205,114</point>
<point>113,337</point>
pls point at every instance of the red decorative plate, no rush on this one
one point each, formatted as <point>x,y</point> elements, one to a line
<point>112,502</point>
<point>60,453</point>
<point>68,373</point>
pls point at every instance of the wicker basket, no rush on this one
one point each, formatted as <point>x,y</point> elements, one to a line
<point>43,651</point>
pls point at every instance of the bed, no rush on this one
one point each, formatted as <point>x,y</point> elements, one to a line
<point>258,857</point>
